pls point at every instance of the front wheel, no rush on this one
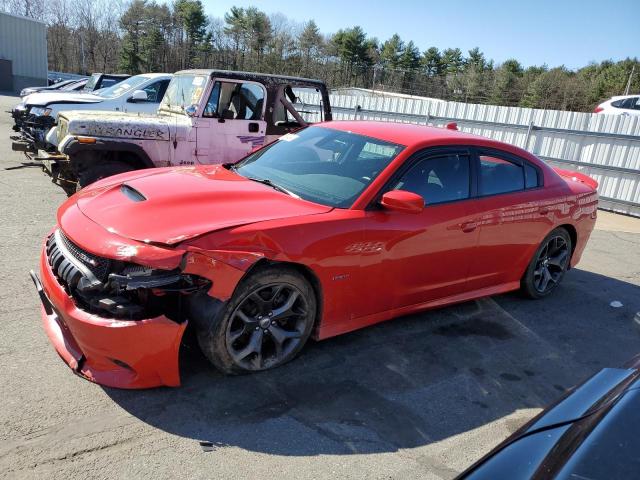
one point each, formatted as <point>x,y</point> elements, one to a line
<point>548,265</point>
<point>264,325</point>
<point>90,174</point>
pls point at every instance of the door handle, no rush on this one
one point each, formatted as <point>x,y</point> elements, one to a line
<point>254,127</point>
<point>468,227</point>
<point>543,210</point>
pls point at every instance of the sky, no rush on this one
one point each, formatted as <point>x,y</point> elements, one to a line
<point>559,32</point>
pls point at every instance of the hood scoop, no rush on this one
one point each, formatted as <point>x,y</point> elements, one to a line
<point>131,193</point>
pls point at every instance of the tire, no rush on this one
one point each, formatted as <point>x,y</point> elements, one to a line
<point>548,265</point>
<point>90,174</point>
<point>255,330</point>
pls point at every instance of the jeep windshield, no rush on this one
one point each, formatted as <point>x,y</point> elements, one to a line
<point>182,92</point>
<point>320,164</point>
<point>121,88</point>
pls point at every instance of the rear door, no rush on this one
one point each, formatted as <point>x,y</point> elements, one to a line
<point>513,215</point>
<point>232,123</point>
<point>426,256</point>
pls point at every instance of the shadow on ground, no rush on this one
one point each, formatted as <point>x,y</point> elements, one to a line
<point>408,382</point>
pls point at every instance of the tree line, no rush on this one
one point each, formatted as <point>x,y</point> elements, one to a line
<point>139,36</point>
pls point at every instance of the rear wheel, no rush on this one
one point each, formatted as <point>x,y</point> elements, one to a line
<point>265,324</point>
<point>548,265</point>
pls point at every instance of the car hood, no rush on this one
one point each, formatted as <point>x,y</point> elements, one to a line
<point>170,205</point>
<point>42,99</point>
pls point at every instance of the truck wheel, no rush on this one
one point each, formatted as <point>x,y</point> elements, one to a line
<point>88,175</point>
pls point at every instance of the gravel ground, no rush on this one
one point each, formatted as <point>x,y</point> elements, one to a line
<point>419,397</point>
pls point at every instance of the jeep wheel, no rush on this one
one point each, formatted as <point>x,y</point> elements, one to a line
<point>88,175</point>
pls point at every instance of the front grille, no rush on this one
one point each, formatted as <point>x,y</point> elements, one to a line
<point>70,262</point>
<point>63,126</point>
<point>100,267</point>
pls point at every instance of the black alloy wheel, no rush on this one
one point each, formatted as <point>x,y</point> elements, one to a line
<point>548,265</point>
<point>265,324</point>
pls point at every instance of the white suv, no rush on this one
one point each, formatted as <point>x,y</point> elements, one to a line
<point>139,94</point>
<point>621,105</point>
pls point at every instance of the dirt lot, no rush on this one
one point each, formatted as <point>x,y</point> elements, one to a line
<point>418,397</point>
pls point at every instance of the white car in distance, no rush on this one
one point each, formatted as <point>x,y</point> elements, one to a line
<point>620,105</point>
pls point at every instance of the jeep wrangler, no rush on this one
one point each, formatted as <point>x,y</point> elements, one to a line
<point>205,117</point>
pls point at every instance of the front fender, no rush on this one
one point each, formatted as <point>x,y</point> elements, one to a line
<point>223,268</point>
<point>72,147</point>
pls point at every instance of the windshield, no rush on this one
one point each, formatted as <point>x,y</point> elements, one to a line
<point>74,85</point>
<point>91,83</point>
<point>322,165</point>
<point>183,91</point>
<point>123,87</point>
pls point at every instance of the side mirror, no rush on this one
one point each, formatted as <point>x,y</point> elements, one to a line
<point>402,201</point>
<point>138,96</point>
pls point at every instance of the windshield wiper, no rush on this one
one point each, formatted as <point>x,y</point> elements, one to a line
<point>266,181</point>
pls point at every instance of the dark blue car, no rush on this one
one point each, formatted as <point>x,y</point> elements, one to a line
<point>592,433</point>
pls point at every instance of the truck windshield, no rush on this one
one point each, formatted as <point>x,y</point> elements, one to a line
<point>183,90</point>
<point>319,164</point>
<point>128,85</point>
<point>91,83</point>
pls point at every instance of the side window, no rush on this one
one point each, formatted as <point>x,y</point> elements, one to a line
<point>629,103</point>
<point>156,90</point>
<point>636,103</point>
<point>211,109</point>
<point>107,82</point>
<point>231,100</point>
<point>531,179</point>
<point>439,179</point>
<point>498,175</point>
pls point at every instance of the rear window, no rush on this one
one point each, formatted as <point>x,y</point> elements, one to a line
<point>498,175</point>
<point>630,103</point>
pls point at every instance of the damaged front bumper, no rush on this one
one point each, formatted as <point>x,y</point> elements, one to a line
<point>118,353</point>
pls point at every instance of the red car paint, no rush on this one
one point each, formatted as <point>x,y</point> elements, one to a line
<point>214,223</point>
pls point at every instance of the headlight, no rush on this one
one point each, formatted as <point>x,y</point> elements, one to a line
<point>40,111</point>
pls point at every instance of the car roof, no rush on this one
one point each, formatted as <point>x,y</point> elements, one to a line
<point>621,97</point>
<point>407,134</point>
<point>265,77</point>
<point>154,75</point>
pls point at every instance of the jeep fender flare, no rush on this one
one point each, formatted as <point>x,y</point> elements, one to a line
<point>74,147</point>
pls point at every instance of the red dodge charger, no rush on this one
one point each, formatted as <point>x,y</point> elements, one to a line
<point>329,229</point>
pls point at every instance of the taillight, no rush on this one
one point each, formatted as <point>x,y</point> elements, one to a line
<point>598,109</point>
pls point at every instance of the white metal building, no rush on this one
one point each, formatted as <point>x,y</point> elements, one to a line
<point>23,52</point>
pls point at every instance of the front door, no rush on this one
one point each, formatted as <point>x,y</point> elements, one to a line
<point>425,256</point>
<point>232,122</point>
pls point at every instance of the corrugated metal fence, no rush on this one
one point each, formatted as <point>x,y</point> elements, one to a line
<point>605,147</point>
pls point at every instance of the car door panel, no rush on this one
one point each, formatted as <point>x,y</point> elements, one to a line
<point>418,257</point>
<point>510,224</point>
<point>229,129</point>
<point>422,257</point>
